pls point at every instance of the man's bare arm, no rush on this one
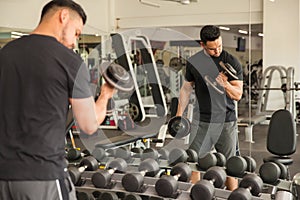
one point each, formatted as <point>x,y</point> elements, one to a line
<point>184,97</point>
<point>90,114</point>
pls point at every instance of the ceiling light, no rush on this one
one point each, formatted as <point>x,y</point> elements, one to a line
<point>260,34</point>
<point>224,28</point>
<point>185,2</point>
<point>243,32</point>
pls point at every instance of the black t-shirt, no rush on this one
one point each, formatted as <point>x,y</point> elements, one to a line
<point>37,77</point>
<point>213,106</point>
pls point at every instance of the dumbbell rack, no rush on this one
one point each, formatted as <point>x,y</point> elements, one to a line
<point>149,189</point>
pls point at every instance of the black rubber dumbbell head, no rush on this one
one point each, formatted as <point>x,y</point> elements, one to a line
<point>251,163</point>
<point>236,166</point>
<point>221,159</point>
<point>192,155</point>
<point>207,161</point>
<point>177,155</point>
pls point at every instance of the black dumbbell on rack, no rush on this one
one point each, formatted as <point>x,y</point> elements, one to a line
<point>102,155</point>
<point>214,177</point>
<point>167,185</point>
<point>134,182</point>
<point>161,154</point>
<point>178,155</point>
<point>250,185</point>
<point>211,159</point>
<point>272,172</point>
<point>126,153</point>
<point>88,163</point>
<point>102,178</point>
<point>74,154</point>
<point>237,166</point>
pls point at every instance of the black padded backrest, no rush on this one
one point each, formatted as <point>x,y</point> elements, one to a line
<point>281,138</point>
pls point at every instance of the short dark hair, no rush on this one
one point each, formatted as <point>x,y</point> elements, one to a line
<point>64,3</point>
<point>209,33</point>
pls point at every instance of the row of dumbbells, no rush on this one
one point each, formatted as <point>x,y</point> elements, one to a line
<point>236,166</point>
<point>166,185</point>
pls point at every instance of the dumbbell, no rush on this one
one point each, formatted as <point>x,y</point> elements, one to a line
<point>251,184</point>
<point>167,185</point>
<point>108,196</point>
<point>134,182</point>
<point>102,178</point>
<point>211,159</point>
<point>83,196</point>
<point>115,75</point>
<point>132,197</point>
<point>153,153</point>
<point>74,154</point>
<point>237,165</point>
<point>88,163</point>
<point>228,70</point>
<point>178,155</point>
<point>214,177</point>
<point>271,172</point>
<point>179,127</point>
<point>101,155</point>
<point>126,154</point>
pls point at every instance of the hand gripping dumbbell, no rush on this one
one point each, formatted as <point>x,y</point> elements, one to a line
<point>162,154</point>
<point>88,163</point>
<point>271,172</point>
<point>178,155</point>
<point>116,75</point>
<point>101,155</point>
<point>251,184</point>
<point>179,127</point>
<point>237,165</point>
<point>167,185</point>
<point>214,177</point>
<point>211,159</point>
<point>134,182</point>
<point>74,154</point>
<point>228,70</point>
<point>102,178</point>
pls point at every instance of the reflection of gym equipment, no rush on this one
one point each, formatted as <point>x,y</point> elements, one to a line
<point>121,44</point>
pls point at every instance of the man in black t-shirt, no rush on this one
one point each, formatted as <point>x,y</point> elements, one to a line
<point>40,76</point>
<point>214,117</point>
